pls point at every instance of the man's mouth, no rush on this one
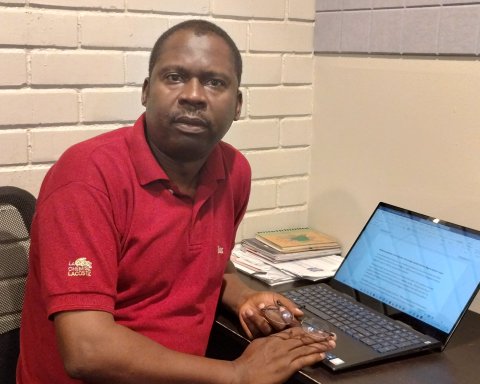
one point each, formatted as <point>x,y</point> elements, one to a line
<point>190,124</point>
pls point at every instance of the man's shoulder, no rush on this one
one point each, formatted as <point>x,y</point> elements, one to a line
<point>230,151</point>
<point>103,142</point>
<point>235,163</point>
<point>90,161</point>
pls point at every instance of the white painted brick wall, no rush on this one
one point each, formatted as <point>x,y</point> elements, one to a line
<point>262,69</point>
<point>194,7</point>
<point>301,9</point>
<point>279,163</point>
<point>136,67</point>
<point>254,134</point>
<point>13,68</point>
<point>131,31</point>
<point>70,70</point>
<point>281,37</point>
<point>104,4</point>
<point>292,192</point>
<point>14,147</point>
<point>12,2</point>
<point>101,105</point>
<point>49,143</point>
<point>27,177</point>
<point>271,9</point>
<point>296,132</point>
<point>276,218</point>
<point>36,107</point>
<point>32,27</point>
<point>265,192</point>
<point>297,69</point>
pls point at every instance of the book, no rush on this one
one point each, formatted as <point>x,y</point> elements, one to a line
<point>261,249</point>
<point>297,239</point>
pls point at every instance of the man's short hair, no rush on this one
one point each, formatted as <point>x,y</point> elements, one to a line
<point>199,27</point>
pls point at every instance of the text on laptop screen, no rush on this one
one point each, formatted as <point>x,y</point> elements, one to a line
<point>421,266</point>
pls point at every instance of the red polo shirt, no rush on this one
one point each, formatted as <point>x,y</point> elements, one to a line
<point>111,233</point>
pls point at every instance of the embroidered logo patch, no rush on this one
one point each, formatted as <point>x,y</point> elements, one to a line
<point>219,250</point>
<point>80,267</point>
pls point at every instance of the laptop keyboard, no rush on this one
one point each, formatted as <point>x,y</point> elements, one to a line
<point>371,329</point>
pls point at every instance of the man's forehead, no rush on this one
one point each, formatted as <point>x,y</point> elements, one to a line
<point>188,44</point>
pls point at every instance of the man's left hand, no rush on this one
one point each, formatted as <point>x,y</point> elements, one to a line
<point>252,318</point>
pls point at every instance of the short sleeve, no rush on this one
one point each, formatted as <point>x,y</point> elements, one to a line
<point>77,245</point>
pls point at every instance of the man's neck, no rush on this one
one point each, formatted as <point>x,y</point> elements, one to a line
<point>184,175</point>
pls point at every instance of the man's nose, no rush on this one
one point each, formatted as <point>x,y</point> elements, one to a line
<point>193,93</point>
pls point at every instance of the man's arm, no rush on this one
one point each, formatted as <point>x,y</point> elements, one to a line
<point>234,291</point>
<point>95,349</point>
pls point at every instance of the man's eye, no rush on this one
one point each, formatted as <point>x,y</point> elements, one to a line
<point>216,83</point>
<point>174,77</point>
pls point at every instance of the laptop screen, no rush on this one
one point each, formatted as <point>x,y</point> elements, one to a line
<point>421,266</point>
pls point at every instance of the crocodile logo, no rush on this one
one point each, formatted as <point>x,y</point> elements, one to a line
<point>80,267</point>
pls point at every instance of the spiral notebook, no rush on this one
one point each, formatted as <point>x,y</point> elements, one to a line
<point>297,239</point>
<point>415,272</point>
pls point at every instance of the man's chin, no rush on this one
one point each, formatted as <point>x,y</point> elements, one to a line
<point>190,153</point>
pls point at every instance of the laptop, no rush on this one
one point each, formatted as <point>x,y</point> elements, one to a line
<point>417,272</point>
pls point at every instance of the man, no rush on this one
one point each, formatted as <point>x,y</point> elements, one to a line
<point>132,236</point>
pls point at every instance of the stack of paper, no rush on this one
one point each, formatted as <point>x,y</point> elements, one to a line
<point>313,269</point>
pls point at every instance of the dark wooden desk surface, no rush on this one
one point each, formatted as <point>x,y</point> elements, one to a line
<point>459,363</point>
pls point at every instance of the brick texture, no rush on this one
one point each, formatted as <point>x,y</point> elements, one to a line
<point>271,9</point>
<point>194,7</point>
<point>49,144</point>
<point>13,68</point>
<point>14,143</point>
<point>94,4</point>
<point>37,107</point>
<point>70,70</point>
<point>131,31</point>
<point>23,28</point>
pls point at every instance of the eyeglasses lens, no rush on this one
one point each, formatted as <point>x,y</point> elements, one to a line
<point>278,315</point>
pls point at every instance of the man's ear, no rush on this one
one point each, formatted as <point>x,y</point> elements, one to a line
<point>238,109</point>
<point>145,90</point>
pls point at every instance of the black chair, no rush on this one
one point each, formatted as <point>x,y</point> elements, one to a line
<point>16,211</point>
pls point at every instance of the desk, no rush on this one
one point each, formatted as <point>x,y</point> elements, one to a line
<point>459,363</point>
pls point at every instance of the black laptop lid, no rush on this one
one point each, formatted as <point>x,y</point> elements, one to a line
<point>425,268</point>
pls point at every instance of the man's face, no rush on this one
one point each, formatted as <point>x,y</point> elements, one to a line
<point>191,97</point>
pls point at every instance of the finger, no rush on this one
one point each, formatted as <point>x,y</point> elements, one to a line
<point>323,346</point>
<point>289,304</point>
<point>246,328</point>
<point>308,357</point>
<point>297,354</point>
<point>254,325</point>
<point>295,348</point>
<point>305,338</point>
<point>273,324</point>
<point>328,342</point>
<point>314,336</point>
<point>317,350</point>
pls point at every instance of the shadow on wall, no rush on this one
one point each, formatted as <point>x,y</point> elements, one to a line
<point>338,213</point>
